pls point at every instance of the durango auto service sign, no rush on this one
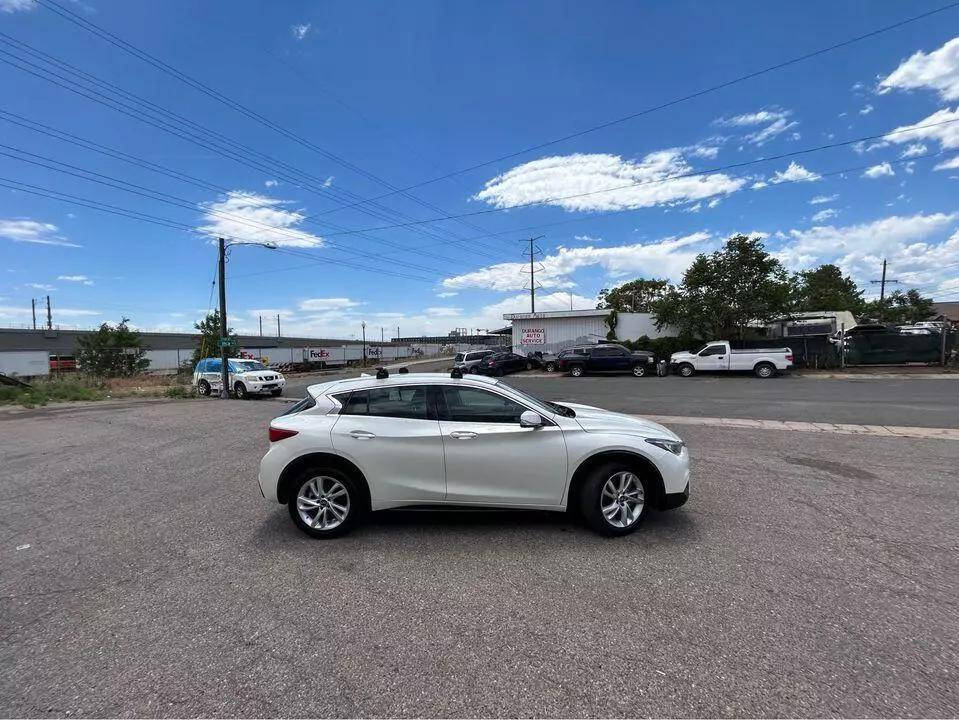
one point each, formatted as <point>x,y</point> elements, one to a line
<point>534,336</point>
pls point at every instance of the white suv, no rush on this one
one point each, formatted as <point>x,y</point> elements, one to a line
<point>444,440</point>
<point>247,377</point>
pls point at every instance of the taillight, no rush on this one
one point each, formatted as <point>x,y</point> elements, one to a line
<point>277,434</point>
<point>789,358</point>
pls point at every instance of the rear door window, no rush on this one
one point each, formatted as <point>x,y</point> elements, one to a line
<point>406,401</point>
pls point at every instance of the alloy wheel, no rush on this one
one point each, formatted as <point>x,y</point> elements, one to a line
<point>622,499</point>
<point>323,503</point>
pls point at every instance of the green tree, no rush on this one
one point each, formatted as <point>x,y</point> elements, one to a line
<point>209,329</point>
<point>634,296</point>
<point>723,292</point>
<point>826,288</point>
<point>901,308</point>
<point>112,351</point>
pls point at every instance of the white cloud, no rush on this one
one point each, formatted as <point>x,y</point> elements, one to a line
<point>30,231</point>
<point>668,257</point>
<point>693,208</point>
<point>910,168</point>
<point>950,164</point>
<point>794,173</point>
<point>859,249</point>
<point>713,203</point>
<point>14,312</point>
<point>604,182</point>
<point>300,31</point>
<point>759,185</point>
<point>866,110</point>
<point>822,199</point>
<point>939,71</point>
<point>248,217</point>
<point>444,311</point>
<point>320,304</point>
<point>861,147</point>
<point>944,128</point>
<point>271,183</point>
<point>707,152</point>
<point>329,181</point>
<point>12,6</point>
<point>73,278</point>
<point>913,150</point>
<point>776,121</point>
<point>446,294</point>
<point>878,171</point>
<point>824,215</point>
<point>41,286</point>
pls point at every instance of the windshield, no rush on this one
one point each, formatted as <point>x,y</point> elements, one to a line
<point>458,357</point>
<point>699,350</point>
<point>543,404</point>
<point>247,365</point>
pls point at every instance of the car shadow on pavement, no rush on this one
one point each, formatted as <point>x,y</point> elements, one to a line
<point>674,525</point>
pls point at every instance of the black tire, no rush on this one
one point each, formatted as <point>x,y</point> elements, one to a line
<point>591,499</point>
<point>577,370</point>
<point>203,388</point>
<point>356,506</point>
<point>529,366</point>
<point>686,370</point>
<point>277,392</point>
<point>764,370</point>
<point>240,391</point>
<point>639,370</point>
<point>550,367</point>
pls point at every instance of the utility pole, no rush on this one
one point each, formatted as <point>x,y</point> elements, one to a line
<point>397,332</point>
<point>33,309</point>
<point>532,271</point>
<point>882,289</point>
<point>49,316</point>
<point>364,341</point>
<point>570,299</point>
<point>278,326</point>
<point>224,361</point>
<point>381,334</point>
<point>261,325</point>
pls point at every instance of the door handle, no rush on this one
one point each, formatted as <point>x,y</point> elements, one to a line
<point>462,434</point>
<point>362,434</point>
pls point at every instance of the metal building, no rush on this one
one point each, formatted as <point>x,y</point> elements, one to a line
<point>553,331</point>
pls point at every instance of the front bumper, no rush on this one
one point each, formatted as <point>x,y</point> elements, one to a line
<point>265,387</point>
<point>671,501</point>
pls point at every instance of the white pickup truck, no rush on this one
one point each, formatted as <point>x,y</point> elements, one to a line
<point>718,356</point>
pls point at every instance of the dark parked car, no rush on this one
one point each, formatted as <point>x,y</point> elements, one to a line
<point>503,363</point>
<point>606,358</point>
<point>543,360</point>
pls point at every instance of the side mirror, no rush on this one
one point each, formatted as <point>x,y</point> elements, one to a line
<point>530,419</point>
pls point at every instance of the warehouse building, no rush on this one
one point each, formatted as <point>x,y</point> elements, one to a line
<point>553,331</point>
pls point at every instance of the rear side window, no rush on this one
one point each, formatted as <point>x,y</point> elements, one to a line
<point>399,402</point>
<point>300,405</point>
<point>201,366</point>
<point>214,365</point>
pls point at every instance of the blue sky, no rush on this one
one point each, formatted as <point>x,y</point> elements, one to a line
<point>387,95</point>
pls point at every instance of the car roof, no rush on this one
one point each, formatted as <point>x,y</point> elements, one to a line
<point>363,383</point>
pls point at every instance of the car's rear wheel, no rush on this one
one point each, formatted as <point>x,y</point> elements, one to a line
<point>550,367</point>
<point>613,499</point>
<point>639,370</point>
<point>240,391</point>
<point>203,387</point>
<point>765,370</point>
<point>686,370</point>
<point>529,366</point>
<point>576,371</point>
<point>325,503</point>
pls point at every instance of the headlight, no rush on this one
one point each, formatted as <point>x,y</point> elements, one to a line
<point>674,446</point>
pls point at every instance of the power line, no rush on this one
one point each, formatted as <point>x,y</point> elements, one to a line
<point>164,67</point>
<point>670,103</point>
<point>209,140</point>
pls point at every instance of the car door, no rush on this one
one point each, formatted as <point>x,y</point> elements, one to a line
<point>620,359</point>
<point>600,359</point>
<point>713,358</point>
<point>490,459</point>
<point>393,436</point>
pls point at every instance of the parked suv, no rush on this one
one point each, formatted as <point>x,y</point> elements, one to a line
<point>578,361</point>
<point>247,377</point>
<point>468,362</point>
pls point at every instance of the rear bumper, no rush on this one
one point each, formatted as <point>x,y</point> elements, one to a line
<point>671,501</point>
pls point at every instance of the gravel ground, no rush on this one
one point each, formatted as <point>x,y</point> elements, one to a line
<point>810,575</point>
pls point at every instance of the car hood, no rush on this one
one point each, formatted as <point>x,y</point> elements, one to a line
<point>259,375</point>
<point>681,355</point>
<point>594,419</point>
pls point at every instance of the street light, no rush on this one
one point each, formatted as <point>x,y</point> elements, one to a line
<point>225,342</point>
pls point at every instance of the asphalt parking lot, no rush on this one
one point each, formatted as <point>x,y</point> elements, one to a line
<point>143,575</point>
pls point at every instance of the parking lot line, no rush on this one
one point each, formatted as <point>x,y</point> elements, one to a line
<point>817,427</point>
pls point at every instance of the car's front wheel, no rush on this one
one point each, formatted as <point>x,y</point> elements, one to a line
<point>277,392</point>
<point>613,499</point>
<point>550,367</point>
<point>240,391</point>
<point>325,503</point>
<point>576,371</point>
<point>639,370</point>
<point>203,387</point>
<point>686,370</point>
